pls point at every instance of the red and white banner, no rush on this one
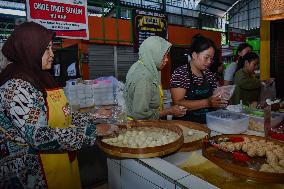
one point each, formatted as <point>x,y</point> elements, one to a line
<point>68,18</point>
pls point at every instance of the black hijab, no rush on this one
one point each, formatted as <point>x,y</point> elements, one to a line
<point>25,48</point>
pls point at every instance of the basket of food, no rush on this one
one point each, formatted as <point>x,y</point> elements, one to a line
<point>251,157</point>
<point>140,140</point>
<point>193,133</point>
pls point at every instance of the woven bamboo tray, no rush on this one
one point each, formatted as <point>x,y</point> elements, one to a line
<point>247,170</point>
<point>125,152</point>
<point>186,147</point>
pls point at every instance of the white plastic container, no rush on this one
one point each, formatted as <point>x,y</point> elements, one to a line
<point>227,122</point>
<point>257,122</point>
<point>103,92</point>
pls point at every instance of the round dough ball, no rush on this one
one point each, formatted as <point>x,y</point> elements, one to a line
<point>114,140</point>
<point>125,141</point>
<point>272,159</point>
<point>231,147</point>
<point>159,143</point>
<point>281,163</point>
<point>134,133</point>
<point>128,133</point>
<point>246,139</point>
<point>120,137</point>
<point>238,146</point>
<point>133,145</point>
<point>130,141</point>
<point>245,147</point>
<point>252,152</point>
<point>153,144</point>
<point>265,166</point>
<point>189,133</point>
<point>149,138</point>
<point>260,152</point>
<point>278,153</point>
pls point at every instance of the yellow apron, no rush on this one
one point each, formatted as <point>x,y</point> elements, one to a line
<point>161,98</point>
<point>60,170</point>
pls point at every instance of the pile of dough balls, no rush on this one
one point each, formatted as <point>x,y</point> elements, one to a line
<point>255,126</point>
<point>253,147</point>
<point>191,135</point>
<point>142,137</point>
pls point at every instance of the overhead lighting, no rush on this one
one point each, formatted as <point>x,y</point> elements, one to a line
<point>196,2</point>
<point>231,7</point>
<point>12,12</point>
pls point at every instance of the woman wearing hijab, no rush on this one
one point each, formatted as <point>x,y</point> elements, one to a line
<point>38,135</point>
<point>143,92</point>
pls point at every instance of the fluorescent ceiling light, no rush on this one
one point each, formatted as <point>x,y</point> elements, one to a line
<point>231,7</point>
<point>196,2</point>
<point>12,12</point>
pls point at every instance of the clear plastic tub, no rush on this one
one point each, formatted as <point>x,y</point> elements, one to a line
<point>227,122</point>
<point>257,122</point>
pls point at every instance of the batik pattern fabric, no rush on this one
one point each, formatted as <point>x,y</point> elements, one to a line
<point>24,133</point>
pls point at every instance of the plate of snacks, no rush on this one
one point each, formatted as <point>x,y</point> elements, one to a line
<point>251,157</point>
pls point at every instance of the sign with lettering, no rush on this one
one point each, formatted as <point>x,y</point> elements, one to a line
<point>236,39</point>
<point>68,18</point>
<point>146,24</point>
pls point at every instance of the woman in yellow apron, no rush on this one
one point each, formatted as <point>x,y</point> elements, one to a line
<point>38,135</point>
<point>143,92</point>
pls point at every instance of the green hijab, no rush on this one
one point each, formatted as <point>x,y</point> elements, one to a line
<point>141,93</point>
<point>151,53</point>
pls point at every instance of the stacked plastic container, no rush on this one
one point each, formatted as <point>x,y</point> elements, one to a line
<point>71,93</point>
<point>103,91</point>
<point>89,93</point>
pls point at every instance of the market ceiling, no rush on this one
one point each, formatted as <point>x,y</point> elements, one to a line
<point>218,8</point>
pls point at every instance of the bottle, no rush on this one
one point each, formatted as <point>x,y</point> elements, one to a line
<point>267,121</point>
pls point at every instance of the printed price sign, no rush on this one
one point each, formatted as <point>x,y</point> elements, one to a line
<point>68,18</point>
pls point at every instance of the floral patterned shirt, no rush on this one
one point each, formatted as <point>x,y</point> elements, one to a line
<point>24,132</point>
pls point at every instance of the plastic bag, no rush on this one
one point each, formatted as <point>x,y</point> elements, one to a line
<point>268,91</point>
<point>224,92</point>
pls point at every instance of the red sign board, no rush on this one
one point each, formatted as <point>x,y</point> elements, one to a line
<point>68,18</point>
<point>237,38</point>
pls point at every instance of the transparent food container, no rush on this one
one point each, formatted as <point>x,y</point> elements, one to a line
<point>227,122</point>
<point>257,122</point>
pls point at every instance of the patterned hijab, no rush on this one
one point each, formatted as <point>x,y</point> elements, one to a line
<point>152,52</point>
<point>25,48</point>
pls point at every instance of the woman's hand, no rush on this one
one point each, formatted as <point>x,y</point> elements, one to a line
<point>216,102</point>
<point>177,111</point>
<point>106,129</point>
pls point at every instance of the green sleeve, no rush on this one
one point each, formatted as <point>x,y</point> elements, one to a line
<point>141,101</point>
<point>247,83</point>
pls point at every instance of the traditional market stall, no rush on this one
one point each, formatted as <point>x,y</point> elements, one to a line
<point>125,94</point>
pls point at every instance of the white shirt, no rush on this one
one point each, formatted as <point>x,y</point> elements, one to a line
<point>229,72</point>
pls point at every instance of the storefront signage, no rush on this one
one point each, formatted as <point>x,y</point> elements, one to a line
<point>68,18</point>
<point>236,39</point>
<point>148,24</point>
